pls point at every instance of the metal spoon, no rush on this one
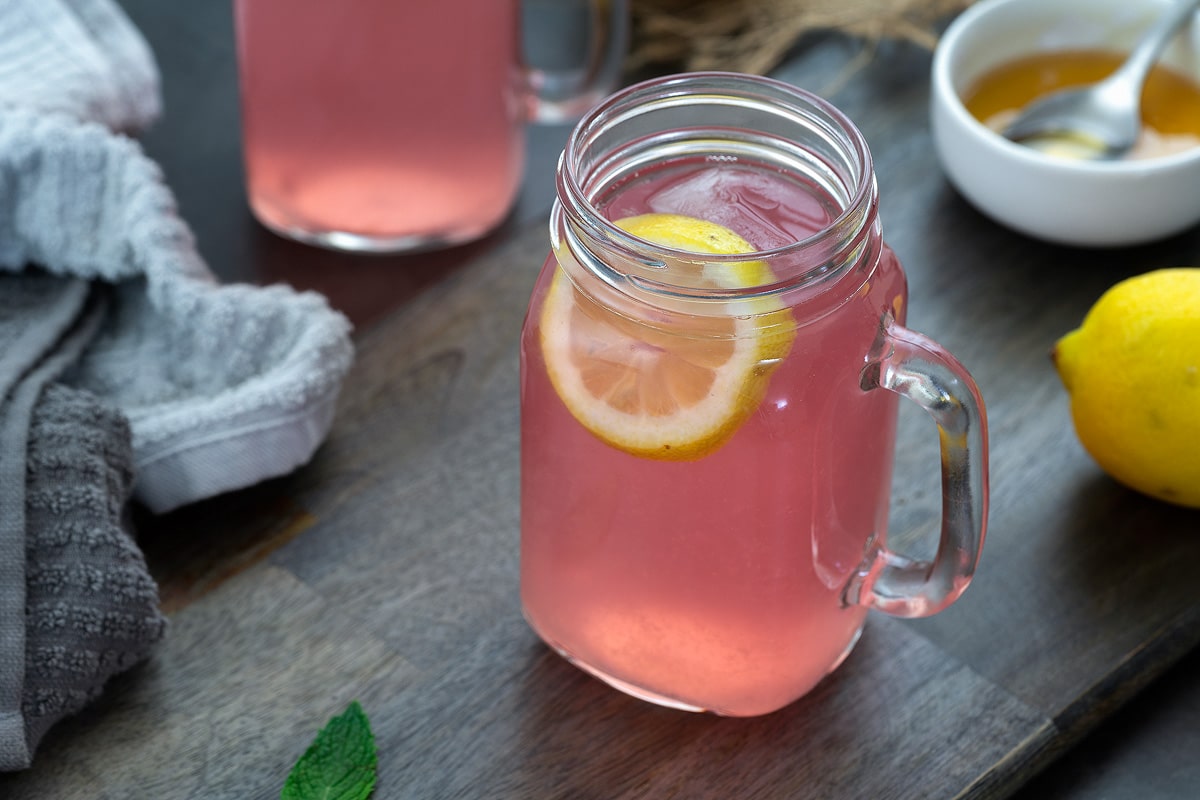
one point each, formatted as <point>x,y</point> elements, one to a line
<point>1105,117</point>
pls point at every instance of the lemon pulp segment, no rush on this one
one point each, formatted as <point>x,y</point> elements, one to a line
<point>672,392</point>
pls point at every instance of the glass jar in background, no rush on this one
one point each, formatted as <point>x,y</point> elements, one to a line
<point>710,370</point>
<point>387,126</point>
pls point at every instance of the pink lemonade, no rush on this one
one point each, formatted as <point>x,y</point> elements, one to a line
<point>381,124</point>
<point>717,583</point>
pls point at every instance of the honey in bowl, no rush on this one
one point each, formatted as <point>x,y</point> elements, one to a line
<point>1170,102</point>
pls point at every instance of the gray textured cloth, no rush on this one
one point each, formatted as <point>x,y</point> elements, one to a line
<point>76,602</point>
<point>42,325</point>
<point>124,366</point>
<point>91,607</point>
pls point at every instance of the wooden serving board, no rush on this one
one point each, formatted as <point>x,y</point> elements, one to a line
<point>386,570</point>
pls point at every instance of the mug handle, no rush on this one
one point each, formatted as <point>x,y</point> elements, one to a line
<point>561,95</point>
<point>918,368</point>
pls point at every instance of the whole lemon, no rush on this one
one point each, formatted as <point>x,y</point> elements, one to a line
<point>1132,370</point>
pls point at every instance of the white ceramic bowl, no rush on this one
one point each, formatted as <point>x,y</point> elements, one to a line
<point>1092,203</point>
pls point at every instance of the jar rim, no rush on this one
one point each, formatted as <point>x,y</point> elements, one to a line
<point>851,220</point>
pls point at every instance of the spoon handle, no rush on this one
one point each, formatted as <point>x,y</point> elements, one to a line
<point>1132,74</point>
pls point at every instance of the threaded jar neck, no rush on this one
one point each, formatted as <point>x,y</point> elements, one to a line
<point>722,118</point>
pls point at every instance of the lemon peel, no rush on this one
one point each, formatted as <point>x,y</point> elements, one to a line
<point>668,394</point>
<point>1132,370</point>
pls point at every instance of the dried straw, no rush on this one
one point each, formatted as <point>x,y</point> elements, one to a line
<point>755,35</point>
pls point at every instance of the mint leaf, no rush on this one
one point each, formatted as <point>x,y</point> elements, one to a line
<point>339,764</point>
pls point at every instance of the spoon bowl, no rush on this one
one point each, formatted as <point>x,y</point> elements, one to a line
<point>1100,122</point>
<point>1104,119</point>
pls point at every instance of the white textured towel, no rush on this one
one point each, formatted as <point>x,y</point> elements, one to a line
<point>223,386</point>
<point>124,366</point>
<point>79,57</point>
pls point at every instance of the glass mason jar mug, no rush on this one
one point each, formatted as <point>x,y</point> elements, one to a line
<point>710,369</point>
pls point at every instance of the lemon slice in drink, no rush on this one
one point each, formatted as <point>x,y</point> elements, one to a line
<point>678,390</point>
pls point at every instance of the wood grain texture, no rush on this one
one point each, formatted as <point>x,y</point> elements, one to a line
<point>225,707</point>
<point>387,568</point>
<point>403,591</point>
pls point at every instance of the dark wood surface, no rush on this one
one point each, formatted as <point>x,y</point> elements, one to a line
<point>386,570</point>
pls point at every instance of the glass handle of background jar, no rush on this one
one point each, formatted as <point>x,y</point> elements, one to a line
<point>580,46</point>
<point>918,368</point>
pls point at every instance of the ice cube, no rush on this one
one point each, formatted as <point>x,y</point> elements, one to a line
<point>766,209</point>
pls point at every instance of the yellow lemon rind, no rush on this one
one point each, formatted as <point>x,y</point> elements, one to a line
<point>738,389</point>
<point>763,339</point>
<point>1132,370</point>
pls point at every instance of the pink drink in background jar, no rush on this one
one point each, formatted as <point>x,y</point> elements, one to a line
<point>381,125</point>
